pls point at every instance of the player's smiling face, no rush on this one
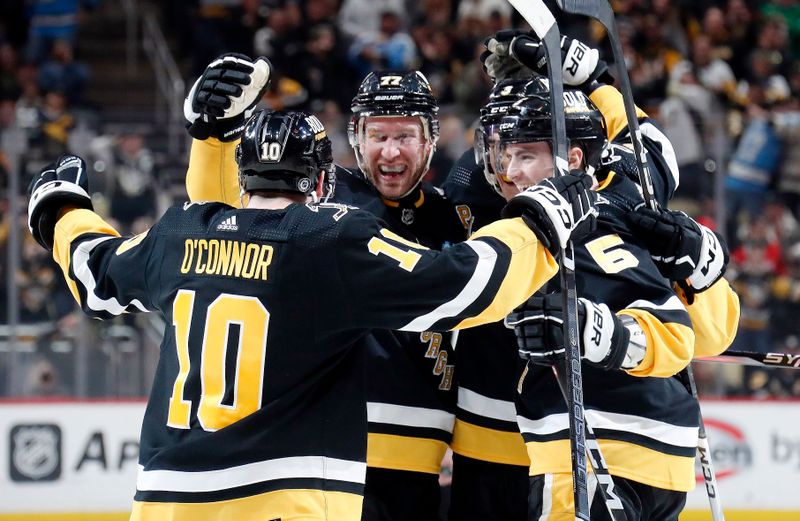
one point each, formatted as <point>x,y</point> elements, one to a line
<point>524,165</point>
<point>394,151</point>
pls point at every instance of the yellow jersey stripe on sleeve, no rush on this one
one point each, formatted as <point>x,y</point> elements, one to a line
<point>213,173</point>
<point>70,226</point>
<point>715,318</point>
<point>609,101</point>
<point>669,345</point>
<point>526,272</point>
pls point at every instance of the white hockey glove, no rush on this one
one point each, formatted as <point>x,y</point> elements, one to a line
<point>683,250</point>
<point>582,66</point>
<point>557,209</point>
<point>606,341</point>
<point>225,95</point>
<point>60,184</point>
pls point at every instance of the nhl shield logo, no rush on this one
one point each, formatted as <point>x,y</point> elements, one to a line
<point>407,216</point>
<point>35,452</point>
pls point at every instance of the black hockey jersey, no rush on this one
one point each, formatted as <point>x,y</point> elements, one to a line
<point>410,393</point>
<point>488,364</point>
<point>646,422</point>
<point>257,407</point>
<point>411,390</point>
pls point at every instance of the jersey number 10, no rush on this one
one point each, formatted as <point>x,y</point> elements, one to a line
<point>253,320</point>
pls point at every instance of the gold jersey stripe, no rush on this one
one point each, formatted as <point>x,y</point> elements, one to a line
<point>67,516</point>
<point>482,443</point>
<point>715,318</point>
<point>624,459</point>
<point>282,504</point>
<point>213,174</point>
<point>526,273</point>
<point>70,226</point>
<point>669,345</point>
<point>389,451</point>
<point>609,101</point>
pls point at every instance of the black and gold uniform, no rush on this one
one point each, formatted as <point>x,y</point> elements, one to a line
<point>257,408</point>
<point>645,419</point>
<point>411,391</point>
<point>490,462</point>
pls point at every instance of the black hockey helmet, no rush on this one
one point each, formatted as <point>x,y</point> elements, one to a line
<point>504,94</point>
<point>397,93</point>
<point>284,151</point>
<point>529,119</point>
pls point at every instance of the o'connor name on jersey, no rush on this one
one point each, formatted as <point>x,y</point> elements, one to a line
<point>228,258</point>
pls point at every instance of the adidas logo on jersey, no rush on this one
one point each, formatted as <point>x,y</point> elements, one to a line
<point>228,225</point>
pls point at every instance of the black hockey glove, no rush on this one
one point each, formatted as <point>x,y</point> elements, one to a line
<point>63,183</point>
<point>557,209</point>
<point>225,95</point>
<point>538,325</point>
<point>684,251</point>
<point>497,61</point>
<point>582,66</point>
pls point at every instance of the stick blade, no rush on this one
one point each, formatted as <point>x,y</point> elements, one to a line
<point>536,14</point>
<point>596,9</point>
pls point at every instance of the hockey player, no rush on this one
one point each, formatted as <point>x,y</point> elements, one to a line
<point>257,409</point>
<point>647,426</point>
<point>410,376</point>
<point>490,463</point>
<point>411,389</point>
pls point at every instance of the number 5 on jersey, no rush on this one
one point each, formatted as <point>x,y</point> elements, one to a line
<point>252,319</point>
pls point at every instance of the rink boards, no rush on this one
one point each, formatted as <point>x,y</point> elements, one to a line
<point>65,460</point>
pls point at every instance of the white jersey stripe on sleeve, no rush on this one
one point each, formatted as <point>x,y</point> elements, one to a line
<point>80,265</point>
<point>673,303</point>
<point>487,258</point>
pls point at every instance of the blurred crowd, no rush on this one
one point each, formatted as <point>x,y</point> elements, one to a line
<point>721,76</point>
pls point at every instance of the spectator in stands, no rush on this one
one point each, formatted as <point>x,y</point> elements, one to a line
<point>742,33</point>
<point>278,38</point>
<point>713,73</point>
<point>391,48</point>
<point>62,73</point>
<point>436,51</point>
<point>688,115</point>
<point>51,126</point>
<point>654,60</point>
<point>133,203</point>
<point>218,28</point>
<point>786,118</point>
<point>324,69</point>
<point>9,84</point>
<point>363,17</point>
<point>755,264</point>
<point>52,20</point>
<point>754,164</point>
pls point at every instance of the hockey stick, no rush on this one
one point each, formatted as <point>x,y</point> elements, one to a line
<point>601,11</point>
<point>752,358</point>
<point>541,20</point>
